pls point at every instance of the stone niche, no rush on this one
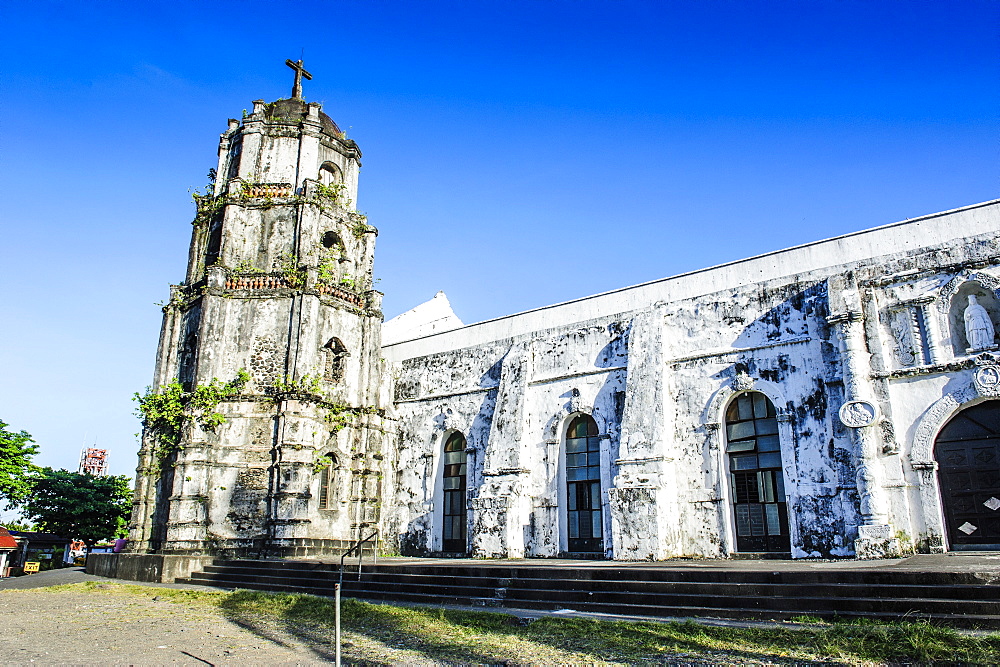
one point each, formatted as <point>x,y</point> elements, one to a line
<point>956,314</point>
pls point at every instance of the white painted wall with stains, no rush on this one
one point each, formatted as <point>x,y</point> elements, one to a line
<point>874,317</point>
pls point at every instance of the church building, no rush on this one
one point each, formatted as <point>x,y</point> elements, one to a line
<point>835,399</point>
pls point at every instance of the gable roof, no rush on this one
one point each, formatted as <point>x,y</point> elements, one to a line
<point>6,541</point>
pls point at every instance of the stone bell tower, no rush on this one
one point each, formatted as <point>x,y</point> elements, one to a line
<point>263,429</point>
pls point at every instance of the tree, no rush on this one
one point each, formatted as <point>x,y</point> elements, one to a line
<point>79,505</point>
<point>16,450</point>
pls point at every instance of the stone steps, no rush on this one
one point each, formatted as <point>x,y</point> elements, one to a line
<point>958,598</point>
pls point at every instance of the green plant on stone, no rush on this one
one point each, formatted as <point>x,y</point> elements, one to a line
<point>208,206</point>
<point>338,415</point>
<point>289,268</point>
<point>327,269</point>
<point>164,413</point>
<point>360,224</point>
<point>246,267</point>
<point>321,462</point>
<point>307,384</point>
<point>333,192</point>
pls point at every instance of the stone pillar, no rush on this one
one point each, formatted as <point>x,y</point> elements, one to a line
<point>252,141</point>
<point>930,328</point>
<point>643,498</point>
<point>223,164</point>
<point>144,500</point>
<point>860,415</point>
<point>307,164</point>
<point>291,478</point>
<point>501,509</point>
<point>931,504</point>
<point>169,348</point>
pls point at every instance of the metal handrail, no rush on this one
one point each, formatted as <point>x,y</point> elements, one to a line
<point>358,545</point>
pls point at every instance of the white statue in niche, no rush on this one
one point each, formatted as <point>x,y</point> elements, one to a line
<point>978,327</point>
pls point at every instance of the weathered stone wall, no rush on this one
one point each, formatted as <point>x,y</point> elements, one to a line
<point>279,287</point>
<point>884,329</point>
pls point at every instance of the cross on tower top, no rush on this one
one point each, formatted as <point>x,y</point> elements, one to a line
<point>300,72</point>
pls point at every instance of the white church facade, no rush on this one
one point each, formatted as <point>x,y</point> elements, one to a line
<point>836,399</point>
<point>792,403</point>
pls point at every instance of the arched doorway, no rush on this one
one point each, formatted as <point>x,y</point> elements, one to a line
<point>757,483</point>
<point>454,517</point>
<point>967,451</point>
<point>585,525</point>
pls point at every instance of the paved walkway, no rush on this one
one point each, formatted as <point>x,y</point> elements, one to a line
<point>75,575</point>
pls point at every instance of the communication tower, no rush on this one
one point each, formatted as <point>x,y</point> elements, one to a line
<point>94,461</point>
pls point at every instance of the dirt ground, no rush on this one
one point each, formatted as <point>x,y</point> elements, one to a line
<point>45,627</point>
<point>109,626</point>
<point>112,623</point>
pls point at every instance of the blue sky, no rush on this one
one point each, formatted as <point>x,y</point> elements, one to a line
<point>515,153</point>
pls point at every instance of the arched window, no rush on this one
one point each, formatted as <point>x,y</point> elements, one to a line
<point>327,479</point>
<point>758,485</point>
<point>585,530</point>
<point>331,241</point>
<point>329,174</point>
<point>454,516</point>
<point>335,359</point>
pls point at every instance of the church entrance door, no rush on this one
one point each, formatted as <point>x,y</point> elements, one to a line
<point>968,455</point>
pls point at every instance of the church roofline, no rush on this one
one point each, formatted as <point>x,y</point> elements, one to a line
<point>506,325</point>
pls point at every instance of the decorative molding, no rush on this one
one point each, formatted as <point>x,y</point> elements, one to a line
<point>929,369</point>
<point>499,472</point>
<point>567,376</point>
<point>641,459</point>
<point>708,354</point>
<point>934,418</point>
<point>915,274</point>
<point>987,380</point>
<point>951,288</point>
<point>435,397</point>
<point>713,411</point>
<point>910,303</point>
<point>742,382</point>
<point>847,317</point>
<point>576,403</point>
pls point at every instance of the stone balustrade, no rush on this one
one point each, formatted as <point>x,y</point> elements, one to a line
<point>278,280</point>
<point>256,281</point>
<point>341,293</point>
<point>268,190</point>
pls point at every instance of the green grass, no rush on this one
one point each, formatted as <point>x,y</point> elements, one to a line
<point>485,637</point>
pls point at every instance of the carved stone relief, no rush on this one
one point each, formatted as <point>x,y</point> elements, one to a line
<point>956,283</point>
<point>979,331</point>
<point>987,375</point>
<point>903,348</point>
<point>858,414</point>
